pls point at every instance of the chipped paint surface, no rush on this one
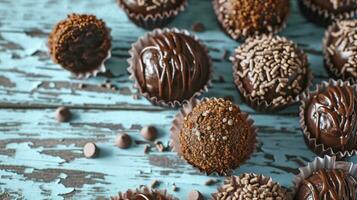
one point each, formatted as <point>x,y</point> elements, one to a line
<point>42,159</point>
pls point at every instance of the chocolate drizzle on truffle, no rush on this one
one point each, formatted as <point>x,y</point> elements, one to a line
<point>171,66</point>
<point>248,17</point>
<point>340,49</point>
<point>328,184</point>
<point>271,69</point>
<point>331,118</point>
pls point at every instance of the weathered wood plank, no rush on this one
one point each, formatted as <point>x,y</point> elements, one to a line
<point>29,78</point>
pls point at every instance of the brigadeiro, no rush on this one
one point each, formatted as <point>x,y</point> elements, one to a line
<point>81,44</point>
<point>325,178</point>
<point>323,12</point>
<point>270,72</point>
<point>151,14</point>
<point>340,50</point>
<point>328,117</point>
<point>144,193</point>
<point>170,66</point>
<point>244,18</point>
<point>213,135</point>
<point>250,186</point>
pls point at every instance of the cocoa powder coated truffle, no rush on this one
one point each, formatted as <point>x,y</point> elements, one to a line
<point>328,184</point>
<point>80,43</point>
<point>270,70</point>
<point>216,137</point>
<point>340,49</point>
<point>171,67</point>
<point>243,18</point>
<point>331,118</point>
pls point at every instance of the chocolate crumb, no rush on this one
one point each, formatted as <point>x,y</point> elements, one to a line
<point>198,27</point>
<point>159,146</point>
<point>225,55</point>
<point>136,96</point>
<point>149,133</point>
<point>123,141</point>
<point>195,195</point>
<point>90,150</point>
<point>63,114</point>
<point>154,184</point>
<point>147,149</point>
<point>211,182</point>
<point>175,188</point>
<point>81,85</point>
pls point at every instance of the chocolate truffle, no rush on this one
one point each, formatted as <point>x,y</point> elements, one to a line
<point>323,12</point>
<point>270,72</point>
<point>216,136</point>
<point>243,18</point>
<point>80,43</point>
<point>331,118</point>
<point>63,114</point>
<point>340,49</point>
<point>170,67</point>
<point>123,140</point>
<point>250,186</point>
<point>143,194</point>
<point>151,14</point>
<point>326,184</point>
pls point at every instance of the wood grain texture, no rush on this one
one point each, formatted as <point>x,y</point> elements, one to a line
<point>42,159</point>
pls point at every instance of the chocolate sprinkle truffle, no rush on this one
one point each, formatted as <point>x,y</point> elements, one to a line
<point>270,72</point>
<point>250,186</point>
<point>216,136</point>
<point>323,12</point>
<point>331,118</point>
<point>340,49</point>
<point>326,184</point>
<point>143,193</point>
<point>244,18</point>
<point>170,66</point>
<point>151,14</point>
<point>80,44</point>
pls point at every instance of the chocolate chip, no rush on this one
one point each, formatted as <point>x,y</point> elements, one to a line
<point>149,133</point>
<point>63,114</point>
<point>198,27</point>
<point>123,141</point>
<point>90,150</point>
<point>146,149</point>
<point>195,195</point>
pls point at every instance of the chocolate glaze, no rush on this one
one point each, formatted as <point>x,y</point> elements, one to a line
<point>172,67</point>
<point>339,7</point>
<point>148,7</point>
<point>328,185</point>
<point>331,118</point>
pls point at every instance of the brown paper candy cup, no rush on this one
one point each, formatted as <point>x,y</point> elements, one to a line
<point>135,53</point>
<point>319,148</point>
<point>150,22</point>
<point>326,162</point>
<point>177,125</point>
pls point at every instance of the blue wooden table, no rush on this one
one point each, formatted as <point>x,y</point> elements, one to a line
<point>42,159</point>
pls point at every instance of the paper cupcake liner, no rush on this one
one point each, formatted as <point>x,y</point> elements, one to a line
<point>135,51</point>
<point>177,124</point>
<point>321,16</point>
<point>326,162</point>
<point>265,179</point>
<point>330,68</point>
<point>318,148</point>
<point>131,194</point>
<point>275,29</point>
<point>262,105</point>
<point>150,22</point>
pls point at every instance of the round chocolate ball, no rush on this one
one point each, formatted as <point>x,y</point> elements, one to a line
<point>123,140</point>
<point>80,43</point>
<point>151,7</point>
<point>244,18</point>
<point>331,118</point>
<point>250,186</point>
<point>216,136</point>
<point>271,70</point>
<point>333,9</point>
<point>340,49</point>
<point>63,114</point>
<point>149,132</point>
<point>171,66</point>
<point>328,184</point>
